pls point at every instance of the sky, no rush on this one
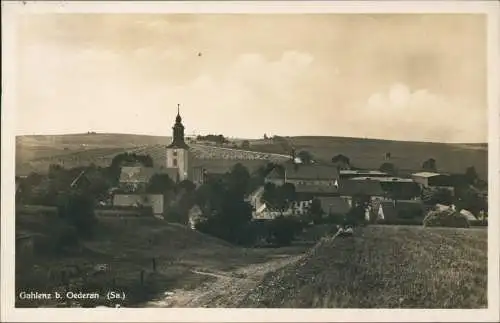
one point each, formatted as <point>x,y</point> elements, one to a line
<point>399,77</point>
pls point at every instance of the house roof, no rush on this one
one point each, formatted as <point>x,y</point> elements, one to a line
<point>361,172</point>
<point>425,174</point>
<point>138,174</point>
<point>315,189</point>
<point>335,205</point>
<point>384,179</point>
<point>301,171</point>
<point>359,187</point>
<point>345,188</point>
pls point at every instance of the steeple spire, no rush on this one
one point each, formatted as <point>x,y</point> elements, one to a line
<point>178,132</point>
<point>178,119</point>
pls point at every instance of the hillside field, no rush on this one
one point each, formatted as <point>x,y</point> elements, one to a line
<point>370,153</point>
<point>36,153</point>
<point>384,267</point>
<point>185,259</point>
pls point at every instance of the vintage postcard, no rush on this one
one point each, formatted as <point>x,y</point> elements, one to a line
<point>250,161</point>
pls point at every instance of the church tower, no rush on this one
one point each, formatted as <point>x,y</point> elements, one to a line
<point>178,150</point>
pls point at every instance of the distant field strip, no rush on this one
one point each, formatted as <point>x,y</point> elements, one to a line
<point>103,156</point>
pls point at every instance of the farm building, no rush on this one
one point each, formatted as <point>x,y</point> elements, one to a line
<point>136,178</point>
<point>426,179</point>
<point>348,174</point>
<point>154,201</point>
<point>396,187</point>
<point>300,175</point>
<point>350,188</point>
<point>334,205</point>
<point>393,210</point>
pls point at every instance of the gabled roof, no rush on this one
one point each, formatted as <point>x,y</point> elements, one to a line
<point>359,187</point>
<point>361,172</point>
<point>138,174</point>
<point>425,174</point>
<point>306,172</point>
<point>384,179</point>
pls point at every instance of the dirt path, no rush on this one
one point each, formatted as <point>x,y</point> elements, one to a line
<point>227,290</point>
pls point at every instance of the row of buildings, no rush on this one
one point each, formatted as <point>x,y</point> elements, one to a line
<point>334,187</point>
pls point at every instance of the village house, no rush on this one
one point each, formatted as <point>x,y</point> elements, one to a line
<point>334,205</point>
<point>393,210</point>
<point>303,174</point>
<point>348,173</point>
<point>395,187</point>
<point>431,179</point>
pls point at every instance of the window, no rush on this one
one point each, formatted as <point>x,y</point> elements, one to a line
<point>175,153</point>
<point>174,161</point>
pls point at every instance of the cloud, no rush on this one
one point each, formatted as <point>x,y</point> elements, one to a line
<point>402,113</point>
<point>90,88</point>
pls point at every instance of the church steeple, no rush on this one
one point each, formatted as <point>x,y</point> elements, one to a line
<point>178,132</point>
<point>178,119</point>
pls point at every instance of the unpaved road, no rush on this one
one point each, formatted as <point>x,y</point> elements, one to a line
<point>227,290</point>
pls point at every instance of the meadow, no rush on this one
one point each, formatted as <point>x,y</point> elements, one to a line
<point>36,153</point>
<point>384,267</point>
<point>184,260</point>
<point>370,153</point>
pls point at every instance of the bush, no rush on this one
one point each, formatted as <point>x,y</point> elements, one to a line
<point>283,230</point>
<point>78,210</point>
<point>446,218</point>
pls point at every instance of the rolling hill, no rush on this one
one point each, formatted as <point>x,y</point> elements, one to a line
<point>384,267</point>
<point>35,153</point>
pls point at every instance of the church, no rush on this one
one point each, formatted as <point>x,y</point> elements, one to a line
<point>178,157</point>
<point>178,165</point>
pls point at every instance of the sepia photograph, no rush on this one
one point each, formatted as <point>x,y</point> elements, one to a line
<point>230,159</point>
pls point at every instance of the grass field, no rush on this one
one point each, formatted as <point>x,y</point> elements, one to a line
<point>370,153</point>
<point>35,153</point>
<point>384,267</point>
<point>128,246</point>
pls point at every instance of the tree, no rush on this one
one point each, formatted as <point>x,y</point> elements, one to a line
<point>341,161</point>
<point>245,144</point>
<point>305,156</point>
<point>471,200</point>
<point>283,230</point>
<point>238,180</point>
<point>429,165</point>
<point>160,184</point>
<point>316,211</point>
<point>186,186</point>
<point>78,210</point>
<point>279,197</point>
<point>432,196</point>
<point>388,168</point>
<point>471,175</point>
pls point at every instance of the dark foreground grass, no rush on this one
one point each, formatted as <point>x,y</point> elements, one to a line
<point>384,267</point>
